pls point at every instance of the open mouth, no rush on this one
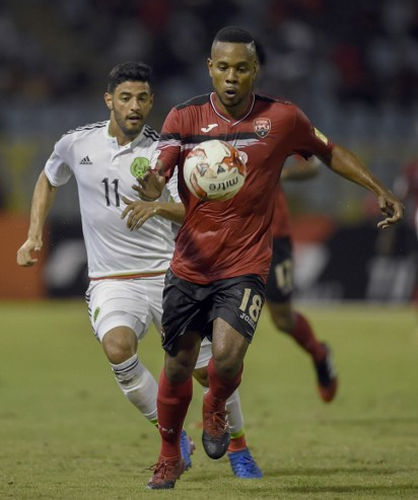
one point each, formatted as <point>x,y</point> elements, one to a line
<point>231,92</point>
<point>134,119</point>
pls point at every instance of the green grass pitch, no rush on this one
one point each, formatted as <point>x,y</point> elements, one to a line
<point>66,432</point>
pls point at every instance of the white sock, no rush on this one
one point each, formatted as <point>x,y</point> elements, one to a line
<point>138,385</point>
<point>234,411</point>
<point>235,416</point>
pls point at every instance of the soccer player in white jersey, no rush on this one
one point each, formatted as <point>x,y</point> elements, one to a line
<point>126,264</point>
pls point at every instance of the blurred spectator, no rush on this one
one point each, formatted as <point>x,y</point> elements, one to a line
<point>352,66</point>
<point>49,49</point>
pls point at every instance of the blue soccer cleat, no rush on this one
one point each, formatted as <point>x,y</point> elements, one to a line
<point>243,464</point>
<point>187,448</point>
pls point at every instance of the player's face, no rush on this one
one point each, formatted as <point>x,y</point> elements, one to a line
<point>233,69</point>
<point>129,104</point>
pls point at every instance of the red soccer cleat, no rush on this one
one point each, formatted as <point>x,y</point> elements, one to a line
<point>215,436</point>
<point>166,472</point>
<point>326,376</point>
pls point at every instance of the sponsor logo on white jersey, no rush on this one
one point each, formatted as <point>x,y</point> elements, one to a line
<point>86,161</point>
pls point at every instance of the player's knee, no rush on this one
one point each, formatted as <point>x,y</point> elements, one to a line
<point>228,367</point>
<point>178,368</point>
<point>119,345</point>
<point>283,323</point>
<point>282,319</point>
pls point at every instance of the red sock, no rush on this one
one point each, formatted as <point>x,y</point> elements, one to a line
<point>172,403</point>
<point>220,388</point>
<point>305,337</point>
<point>237,443</point>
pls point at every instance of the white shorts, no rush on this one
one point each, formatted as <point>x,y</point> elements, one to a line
<point>134,303</point>
<point>130,302</point>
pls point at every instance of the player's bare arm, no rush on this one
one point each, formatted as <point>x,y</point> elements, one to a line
<point>347,165</point>
<point>301,170</point>
<point>151,185</point>
<point>42,199</point>
<point>140,211</point>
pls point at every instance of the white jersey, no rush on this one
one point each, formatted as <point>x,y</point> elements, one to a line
<point>104,172</point>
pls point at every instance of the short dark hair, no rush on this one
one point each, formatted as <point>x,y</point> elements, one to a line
<point>261,53</point>
<point>233,34</point>
<point>129,71</point>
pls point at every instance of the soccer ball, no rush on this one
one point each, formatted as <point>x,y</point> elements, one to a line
<point>214,170</point>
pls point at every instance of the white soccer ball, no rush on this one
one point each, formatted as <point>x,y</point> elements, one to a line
<point>214,170</point>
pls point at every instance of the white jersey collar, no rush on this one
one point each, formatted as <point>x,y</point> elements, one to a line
<point>131,144</point>
<point>228,118</point>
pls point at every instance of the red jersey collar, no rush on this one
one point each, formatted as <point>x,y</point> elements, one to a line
<point>219,113</point>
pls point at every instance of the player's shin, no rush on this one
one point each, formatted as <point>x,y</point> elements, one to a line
<point>173,401</point>
<point>138,385</point>
<point>220,388</point>
<point>304,335</point>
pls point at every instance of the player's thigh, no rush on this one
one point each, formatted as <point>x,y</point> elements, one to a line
<point>117,303</point>
<point>229,345</point>
<point>279,285</point>
<point>180,361</point>
<point>238,302</point>
<point>183,311</point>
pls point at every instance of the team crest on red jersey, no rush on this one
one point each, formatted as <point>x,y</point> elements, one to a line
<point>262,126</point>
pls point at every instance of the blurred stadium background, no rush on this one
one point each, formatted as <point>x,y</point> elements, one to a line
<point>351,66</point>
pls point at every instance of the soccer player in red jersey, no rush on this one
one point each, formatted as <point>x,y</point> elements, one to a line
<point>216,283</point>
<point>279,286</point>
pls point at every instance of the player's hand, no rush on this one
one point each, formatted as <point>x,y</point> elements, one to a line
<point>139,212</point>
<point>391,207</point>
<point>24,257</point>
<point>150,186</point>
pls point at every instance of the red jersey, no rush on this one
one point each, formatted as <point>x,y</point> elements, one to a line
<point>280,226</point>
<point>224,239</point>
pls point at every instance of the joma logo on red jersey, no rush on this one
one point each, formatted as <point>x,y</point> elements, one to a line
<point>262,126</point>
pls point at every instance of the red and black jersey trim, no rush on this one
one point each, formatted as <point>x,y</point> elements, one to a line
<point>266,98</point>
<point>196,139</point>
<point>222,137</point>
<point>199,100</point>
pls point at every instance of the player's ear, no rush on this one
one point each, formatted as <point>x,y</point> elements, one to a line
<point>257,68</point>
<point>108,100</point>
<point>210,64</point>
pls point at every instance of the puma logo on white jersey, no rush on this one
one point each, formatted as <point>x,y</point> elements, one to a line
<point>209,127</point>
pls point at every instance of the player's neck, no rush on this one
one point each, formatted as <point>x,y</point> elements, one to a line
<point>123,139</point>
<point>233,112</point>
